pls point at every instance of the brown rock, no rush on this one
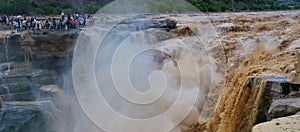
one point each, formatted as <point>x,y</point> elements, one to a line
<point>291,76</point>
<point>284,107</point>
<point>297,65</point>
<point>294,76</point>
<point>51,89</point>
<point>290,123</point>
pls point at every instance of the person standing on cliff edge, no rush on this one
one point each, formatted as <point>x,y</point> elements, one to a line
<point>62,15</point>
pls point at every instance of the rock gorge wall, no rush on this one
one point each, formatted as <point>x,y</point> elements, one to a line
<point>40,49</point>
<point>29,64</point>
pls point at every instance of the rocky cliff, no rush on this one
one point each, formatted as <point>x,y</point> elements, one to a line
<point>29,62</point>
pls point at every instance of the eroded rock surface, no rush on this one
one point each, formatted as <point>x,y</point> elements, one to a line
<point>25,116</point>
<point>24,85</point>
<point>285,124</point>
<point>284,107</point>
<point>39,49</point>
<point>29,61</point>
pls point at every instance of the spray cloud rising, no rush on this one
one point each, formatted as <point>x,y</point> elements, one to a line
<point>129,77</point>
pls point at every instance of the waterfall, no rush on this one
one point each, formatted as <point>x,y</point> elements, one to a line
<point>238,107</point>
<point>27,57</point>
<point>238,102</point>
<point>6,43</point>
<point>27,54</point>
<point>8,93</point>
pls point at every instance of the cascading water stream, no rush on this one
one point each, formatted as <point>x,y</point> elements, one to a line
<point>8,93</point>
<point>238,107</point>
<point>6,43</point>
<point>238,102</point>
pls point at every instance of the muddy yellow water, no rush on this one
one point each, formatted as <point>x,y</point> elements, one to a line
<point>274,46</point>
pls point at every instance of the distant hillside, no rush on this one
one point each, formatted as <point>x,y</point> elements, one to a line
<point>51,7</point>
<point>242,5</point>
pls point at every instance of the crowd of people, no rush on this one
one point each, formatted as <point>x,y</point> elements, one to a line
<point>23,23</point>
